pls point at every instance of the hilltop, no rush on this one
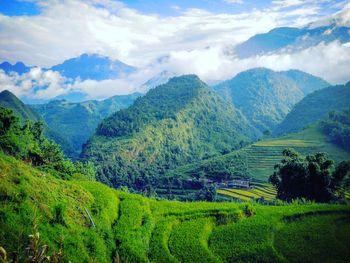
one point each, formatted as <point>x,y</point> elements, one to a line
<point>314,107</point>
<point>9,100</point>
<point>265,96</point>
<point>176,123</point>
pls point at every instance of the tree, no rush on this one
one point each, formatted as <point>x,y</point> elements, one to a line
<point>207,193</point>
<point>310,177</point>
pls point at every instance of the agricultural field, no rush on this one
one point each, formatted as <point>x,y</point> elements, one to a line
<point>133,228</point>
<point>258,160</point>
<point>262,191</point>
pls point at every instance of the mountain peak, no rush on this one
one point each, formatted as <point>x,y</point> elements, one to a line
<point>93,66</point>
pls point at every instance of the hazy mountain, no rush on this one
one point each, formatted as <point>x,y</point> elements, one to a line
<point>93,66</point>
<point>176,123</point>
<point>19,67</point>
<point>76,122</point>
<point>314,107</point>
<point>291,38</point>
<point>266,96</point>
<point>157,80</point>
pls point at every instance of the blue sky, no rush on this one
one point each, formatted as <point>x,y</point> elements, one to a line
<point>164,7</point>
<point>194,36</point>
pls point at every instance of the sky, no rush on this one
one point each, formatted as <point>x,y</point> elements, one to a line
<point>193,36</point>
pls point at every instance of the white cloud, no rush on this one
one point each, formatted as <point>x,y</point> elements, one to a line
<point>233,1</point>
<point>192,42</point>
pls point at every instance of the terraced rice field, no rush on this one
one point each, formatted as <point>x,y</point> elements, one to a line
<point>226,232</point>
<point>259,191</point>
<point>263,155</point>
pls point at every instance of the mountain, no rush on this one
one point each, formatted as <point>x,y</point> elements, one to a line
<point>176,123</point>
<point>266,96</point>
<point>157,80</point>
<point>258,159</point>
<point>19,67</point>
<point>93,66</point>
<point>9,100</point>
<point>314,107</point>
<point>292,39</point>
<point>76,122</point>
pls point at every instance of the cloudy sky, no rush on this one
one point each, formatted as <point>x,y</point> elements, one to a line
<point>192,35</point>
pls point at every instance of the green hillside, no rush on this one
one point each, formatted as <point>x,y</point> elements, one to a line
<point>314,107</point>
<point>132,228</point>
<point>257,160</point>
<point>266,96</point>
<point>176,123</point>
<point>9,100</point>
<point>76,122</point>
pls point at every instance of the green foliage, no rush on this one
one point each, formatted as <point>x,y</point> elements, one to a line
<point>314,107</point>
<point>337,128</point>
<point>9,100</point>
<point>28,143</point>
<point>136,146</point>
<point>258,160</point>
<point>265,96</point>
<point>72,124</point>
<point>207,193</point>
<point>132,228</point>
<point>310,177</point>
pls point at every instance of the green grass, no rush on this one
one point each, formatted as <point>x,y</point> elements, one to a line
<point>139,229</point>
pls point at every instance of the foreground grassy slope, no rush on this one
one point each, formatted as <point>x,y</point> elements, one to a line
<point>258,159</point>
<point>139,229</point>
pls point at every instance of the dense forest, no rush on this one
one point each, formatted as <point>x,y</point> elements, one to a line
<point>159,132</point>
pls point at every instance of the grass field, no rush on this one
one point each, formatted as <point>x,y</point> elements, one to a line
<point>139,229</point>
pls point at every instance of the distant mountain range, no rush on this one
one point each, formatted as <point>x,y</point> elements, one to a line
<point>291,39</point>
<point>93,66</point>
<point>265,97</point>
<point>68,124</point>
<point>18,67</point>
<point>86,66</point>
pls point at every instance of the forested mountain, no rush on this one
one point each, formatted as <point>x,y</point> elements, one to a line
<point>292,38</point>
<point>76,122</point>
<point>9,100</point>
<point>176,123</point>
<point>314,107</point>
<point>266,96</point>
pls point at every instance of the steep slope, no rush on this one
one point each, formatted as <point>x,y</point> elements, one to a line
<point>132,228</point>
<point>292,39</point>
<point>266,96</point>
<point>9,100</point>
<point>76,122</point>
<point>314,107</point>
<point>93,66</point>
<point>257,160</point>
<point>176,123</point>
